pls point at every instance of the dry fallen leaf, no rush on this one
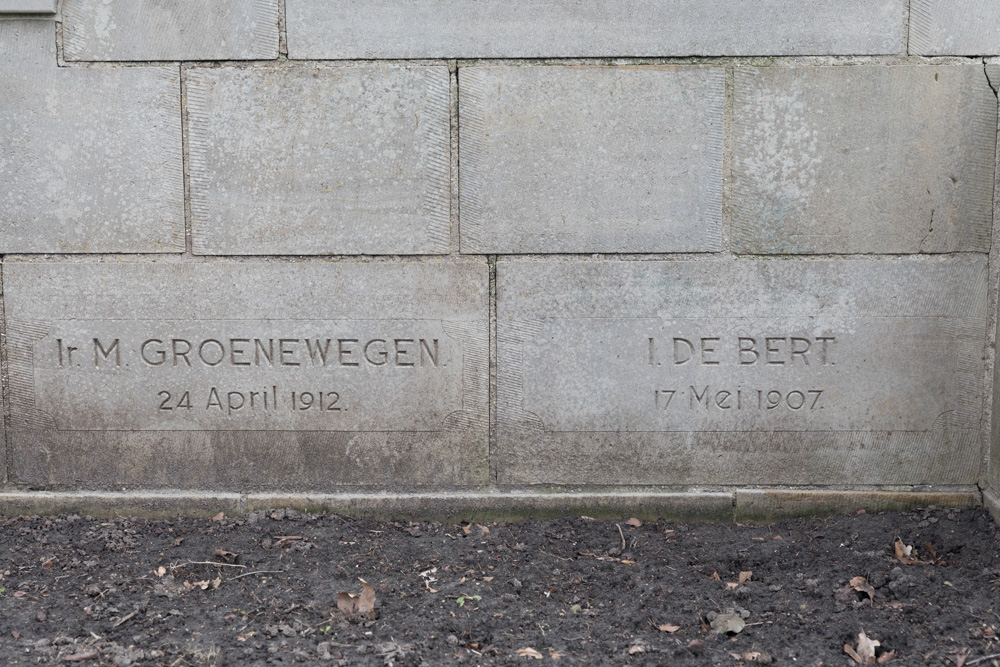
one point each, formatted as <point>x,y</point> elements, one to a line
<point>635,523</point>
<point>904,553</point>
<point>666,627</point>
<point>486,531</point>
<point>865,653</point>
<point>528,652</point>
<point>752,656</point>
<point>861,585</point>
<point>364,604</point>
<point>227,556</point>
<point>745,576</point>
<point>219,517</point>
<point>732,585</point>
<point>728,623</point>
<point>636,648</point>
<point>555,655</point>
<point>715,575</point>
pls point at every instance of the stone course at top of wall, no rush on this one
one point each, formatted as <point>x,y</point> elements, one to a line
<point>954,27</point>
<point>174,30</point>
<point>338,29</point>
<point>27,6</point>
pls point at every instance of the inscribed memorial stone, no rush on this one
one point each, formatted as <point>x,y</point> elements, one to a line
<point>234,375</point>
<point>758,371</point>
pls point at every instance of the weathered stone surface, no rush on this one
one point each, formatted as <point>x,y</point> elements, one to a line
<point>320,160</point>
<point>591,159</point>
<point>852,372</point>
<point>552,28</point>
<point>175,30</point>
<point>863,159</point>
<point>27,6</point>
<point>90,159</point>
<point>954,27</point>
<point>237,375</point>
<point>773,505</point>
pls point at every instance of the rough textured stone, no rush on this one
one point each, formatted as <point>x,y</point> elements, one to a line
<point>863,159</point>
<point>174,30</point>
<point>184,374</point>
<point>320,160</point>
<point>954,27</point>
<point>874,374</point>
<point>552,28</point>
<point>591,159</point>
<point>90,158</point>
<point>27,6</point>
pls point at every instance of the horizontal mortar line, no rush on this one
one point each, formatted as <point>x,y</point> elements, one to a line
<point>971,429</point>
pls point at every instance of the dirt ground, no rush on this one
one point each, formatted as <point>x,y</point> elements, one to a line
<point>264,589</point>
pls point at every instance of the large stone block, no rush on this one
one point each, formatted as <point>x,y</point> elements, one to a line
<point>553,28</point>
<point>27,6</point>
<point>863,159</point>
<point>174,30</point>
<point>954,27</point>
<point>90,158</point>
<point>591,159</point>
<point>244,375</point>
<point>320,159</point>
<point>747,371</point>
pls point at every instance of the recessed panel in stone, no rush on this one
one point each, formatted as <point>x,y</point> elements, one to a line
<point>954,27</point>
<point>27,6</point>
<point>90,158</point>
<point>239,375</point>
<point>349,29</point>
<point>757,371</point>
<point>591,159</point>
<point>112,30</point>
<point>320,159</point>
<point>863,159</point>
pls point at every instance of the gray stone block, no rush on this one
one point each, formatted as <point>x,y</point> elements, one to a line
<point>863,159</point>
<point>320,160</point>
<point>117,30</point>
<point>591,159</point>
<point>27,6</point>
<point>954,27</point>
<point>248,375</point>
<point>553,28</point>
<point>755,371</point>
<point>90,159</point>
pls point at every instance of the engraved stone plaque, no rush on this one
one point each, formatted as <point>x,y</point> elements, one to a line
<point>90,158</point>
<point>591,159</point>
<point>320,159</point>
<point>349,29</point>
<point>954,27</point>
<point>176,30</point>
<point>748,371</point>
<point>233,375</point>
<point>863,159</point>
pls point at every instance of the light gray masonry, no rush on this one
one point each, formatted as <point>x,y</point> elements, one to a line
<point>552,28</point>
<point>863,159</point>
<point>170,30</point>
<point>318,159</point>
<point>234,375</point>
<point>90,159</point>
<point>591,159</point>
<point>954,27</point>
<point>27,6</point>
<point>756,371</point>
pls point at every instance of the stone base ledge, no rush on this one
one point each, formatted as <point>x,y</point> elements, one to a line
<point>992,503</point>
<point>737,505</point>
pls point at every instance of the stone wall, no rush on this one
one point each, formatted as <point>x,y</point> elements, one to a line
<point>691,257</point>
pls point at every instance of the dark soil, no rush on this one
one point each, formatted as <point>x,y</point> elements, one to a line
<point>87,591</point>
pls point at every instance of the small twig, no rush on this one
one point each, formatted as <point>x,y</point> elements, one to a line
<point>554,556</point>
<point>247,574</point>
<point>124,619</point>
<point>80,657</point>
<point>206,562</point>
<point>983,659</point>
<point>619,527</point>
